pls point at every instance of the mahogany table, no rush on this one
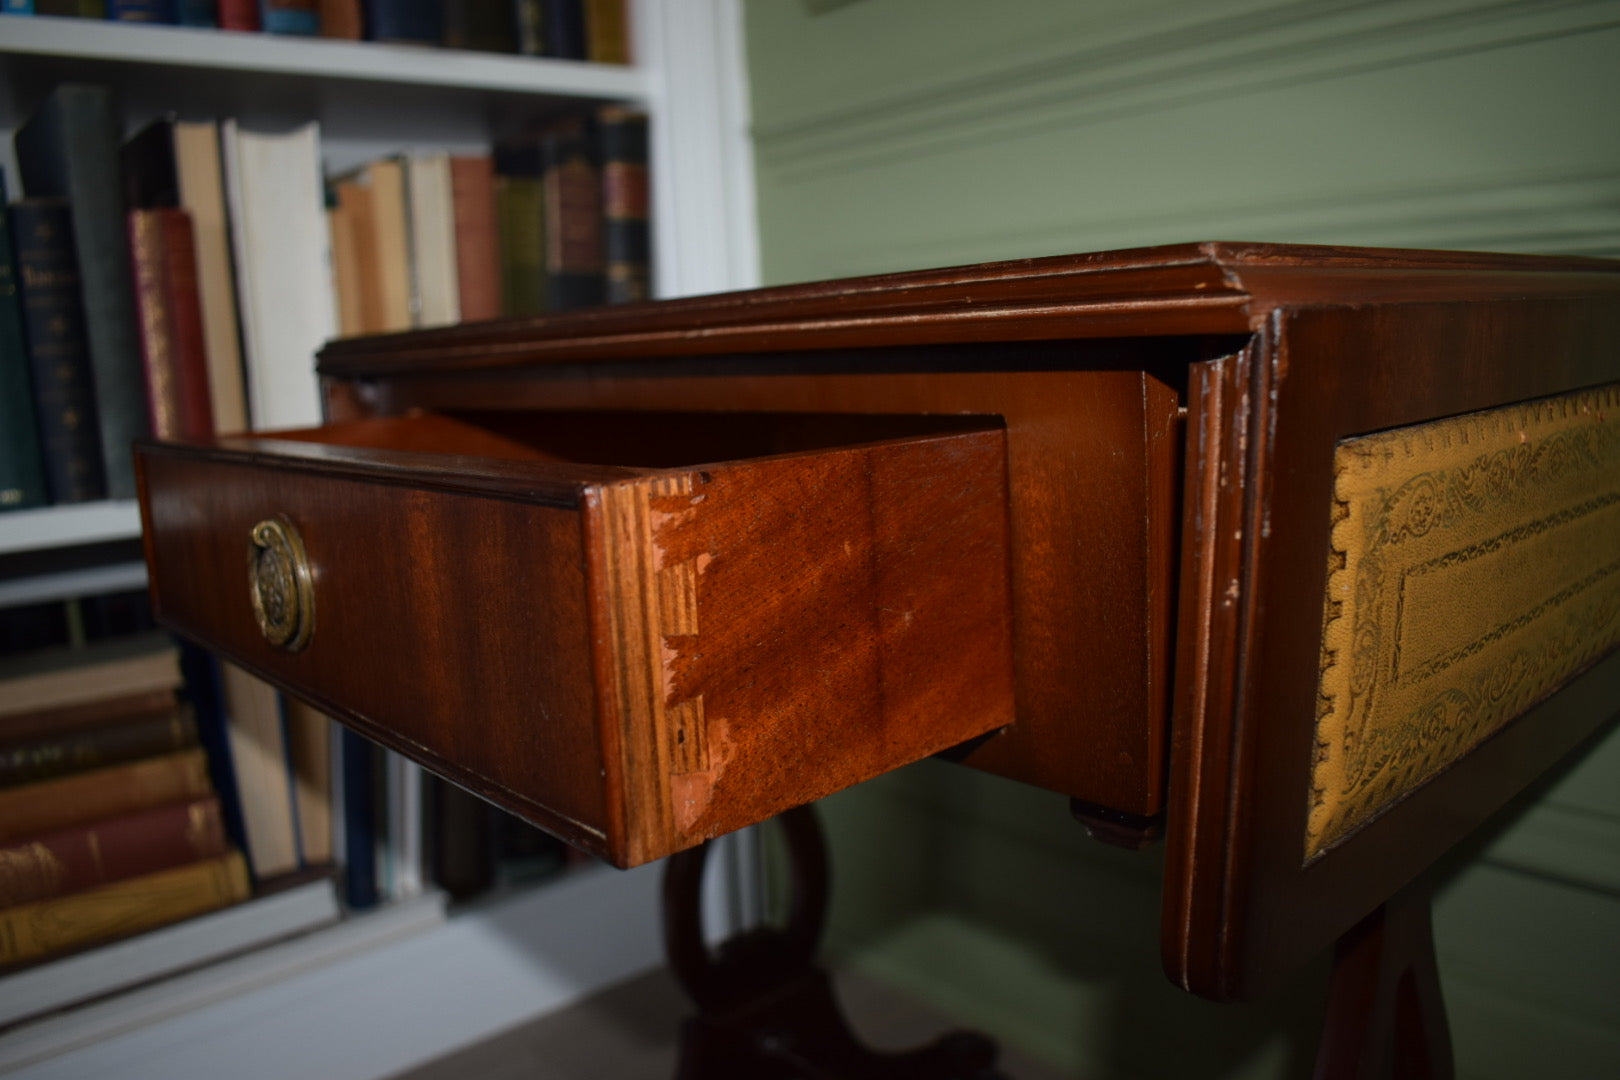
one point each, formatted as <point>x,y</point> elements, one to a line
<point>1306,559</point>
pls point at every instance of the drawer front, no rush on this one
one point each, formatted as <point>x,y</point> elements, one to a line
<point>635,659</point>
<point>449,626</point>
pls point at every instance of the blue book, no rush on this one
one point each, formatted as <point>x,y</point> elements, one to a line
<point>147,11</point>
<point>300,18</point>
<point>359,767</point>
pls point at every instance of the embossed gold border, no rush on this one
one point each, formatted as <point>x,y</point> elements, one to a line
<point>1475,568</point>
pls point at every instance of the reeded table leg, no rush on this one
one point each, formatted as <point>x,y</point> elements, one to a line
<point>765,1011</point>
<point>1386,1019</point>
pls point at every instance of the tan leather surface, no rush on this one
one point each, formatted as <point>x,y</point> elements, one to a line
<point>1475,569</point>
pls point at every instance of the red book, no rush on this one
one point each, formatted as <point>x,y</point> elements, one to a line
<point>169,310</point>
<point>71,860</point>
<point>478,252</point>
<point>239,14</point>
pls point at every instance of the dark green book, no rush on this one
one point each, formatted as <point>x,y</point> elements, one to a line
<point>520,217</point>
<point>69,150</point>
<point>22,467</point>
<point>58,353</point>
<point>626,241</point>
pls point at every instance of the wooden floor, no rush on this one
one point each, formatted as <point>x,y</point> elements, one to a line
<point>629,1033</point>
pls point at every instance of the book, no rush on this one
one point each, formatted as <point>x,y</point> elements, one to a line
<point>342,19</point>
<point>22,465</point>
<point>48,805</point>
<point>62,678</point>
<point>45,756</point>
<point>564,29</point>
<point>113,849</point>
<point>241,15</point>
<point>61,720</point>
<point>196,153</point>
<point>482,25</point>
<point>30,931</point>
<point>626,230</point>
<point>414,22</point>
<point>204,695</point>
<point>432,233</point>
<point>529,25</point>
<point>59,361</point>
<point>68,149</point>
<point>520,215</point>
<point>259,758</point>
<point>83,9</point>
<point>607,32</point>
<point>348,279</point>
<point>199,13</point>
<point>147,11</point>
<point>372,201</point>
<point>301,18</point>
<point>478,251</point>
<point>359,780</point>
<point>282,256</point>
<point>309,754</point>
<point>571,180</point>
<point>460,840</point>
<point>173,344</point>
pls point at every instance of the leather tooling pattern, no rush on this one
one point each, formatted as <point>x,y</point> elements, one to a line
<point>1475,569</point>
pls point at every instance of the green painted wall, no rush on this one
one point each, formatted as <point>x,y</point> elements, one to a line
<point>896,134</point>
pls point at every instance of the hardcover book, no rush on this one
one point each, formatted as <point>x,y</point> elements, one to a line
<point>22,466</point>
<point>48,805</point>
<point>59,359</point>
<point>626,231</point>
<point>69,150</point>
<point>47,756</point>
<point>72,860</point>
<point>173,344</point>
<point>30,931</point>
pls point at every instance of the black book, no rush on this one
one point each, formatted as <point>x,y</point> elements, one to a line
<point>626,240</point>
<point>68,150</point>
<point>58,351</point>
<point>22,466</point>
<point>571,179</point>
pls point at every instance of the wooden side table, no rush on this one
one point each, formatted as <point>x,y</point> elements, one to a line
<point>1307,559</point>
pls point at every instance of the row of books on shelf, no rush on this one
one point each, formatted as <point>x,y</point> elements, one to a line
<point>178,283</point>
<point>142,783</point>
<point>593,30</point>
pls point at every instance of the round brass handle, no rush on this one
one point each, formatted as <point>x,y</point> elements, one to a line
<point>281,584</point>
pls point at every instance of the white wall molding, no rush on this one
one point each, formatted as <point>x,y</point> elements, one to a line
<point>1067,84</point>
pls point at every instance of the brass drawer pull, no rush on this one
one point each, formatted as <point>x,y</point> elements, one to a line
<point>281,583</point>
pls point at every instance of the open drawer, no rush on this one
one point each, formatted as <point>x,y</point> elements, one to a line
<point>638,631</point>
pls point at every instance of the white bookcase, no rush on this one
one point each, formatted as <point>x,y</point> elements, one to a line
<point>373,100</point>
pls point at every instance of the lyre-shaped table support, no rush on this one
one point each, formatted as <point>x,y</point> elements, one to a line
<point>765,1010</point>
<point>1386,1019</point>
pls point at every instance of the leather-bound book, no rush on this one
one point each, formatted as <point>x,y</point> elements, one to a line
<point>478,249</point>
<point>341,19</point>
<point>48,805</point>
<point>173,345</point>
<point>411,22</point>
<point>238,15</point>
<point>484,25</point>
<point>68,149</point>
<point>198,13</point>
<point>31,931</point>
<point>571,178</point>
<point>47,756</point>
<point>626,230</point>
<point>520,215</point>
<point>114,849</point>
<point>564,29</point>
<point>65,403</point>
<point>607,32</point>
<point>143,11</point>
<point>22,467</point>
<point>136,705</point>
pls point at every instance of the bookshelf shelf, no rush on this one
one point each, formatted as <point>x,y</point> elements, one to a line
<point>84,44</point>
<point>69,526</point>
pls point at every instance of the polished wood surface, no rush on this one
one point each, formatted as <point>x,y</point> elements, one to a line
<point>637,657</point>
<point>1169,422</point>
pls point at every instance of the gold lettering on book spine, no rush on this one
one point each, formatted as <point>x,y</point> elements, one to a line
<point>1475,569</point>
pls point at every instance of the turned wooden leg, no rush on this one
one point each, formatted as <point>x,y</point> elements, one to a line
<point>765,1011</point>
<point>1386,1019</point>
